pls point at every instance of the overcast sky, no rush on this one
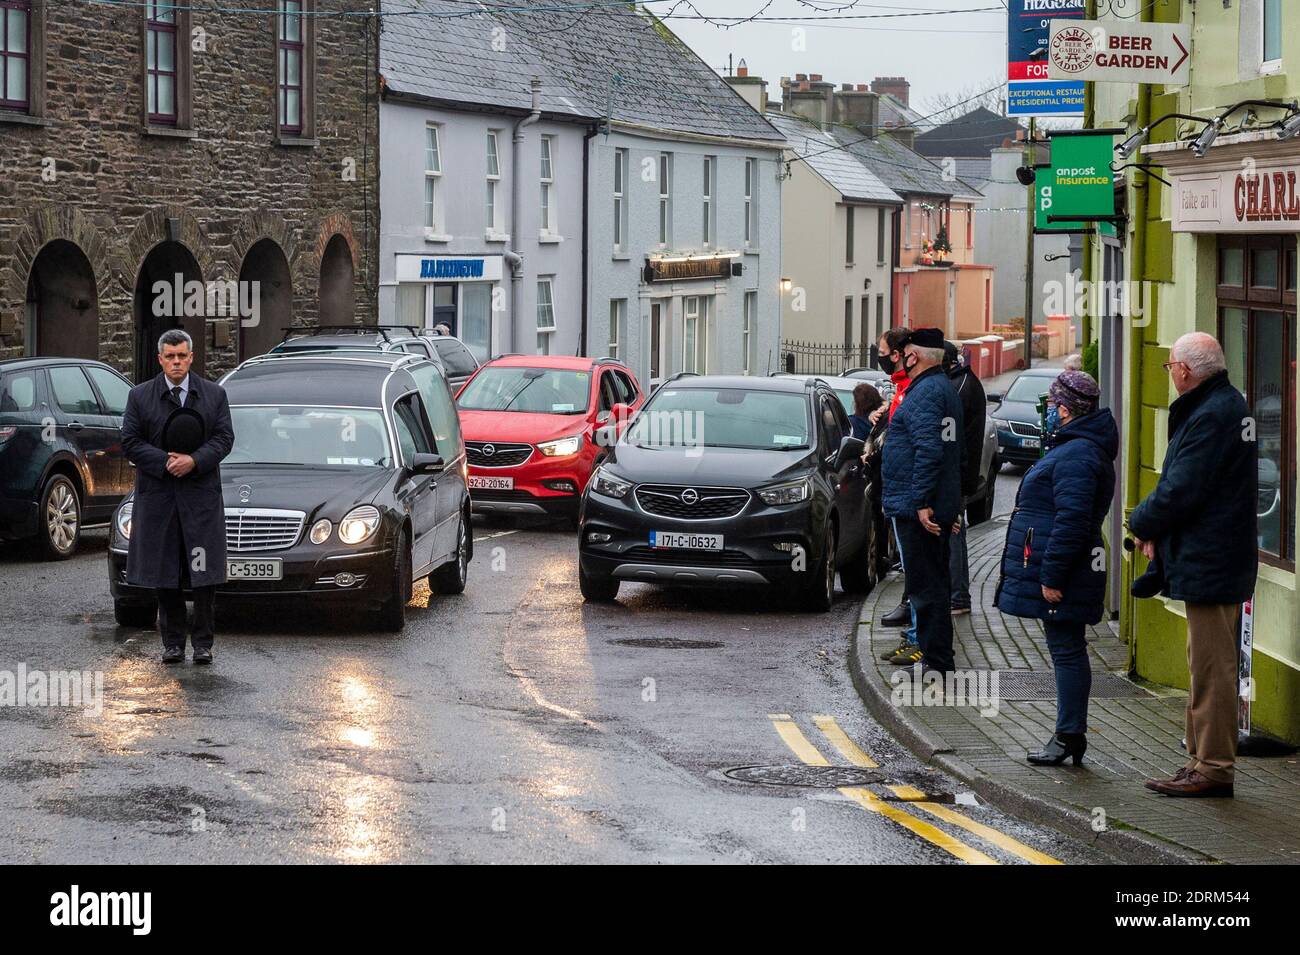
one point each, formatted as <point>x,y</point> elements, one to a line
<point>937,54</point>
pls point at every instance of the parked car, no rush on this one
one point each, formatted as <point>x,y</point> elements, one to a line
<point>764,488</point>
<point>448,352</point>
<point>346,483</point>
<point>62,467</point>
<point>1016,418</point>
<point>536,427</point>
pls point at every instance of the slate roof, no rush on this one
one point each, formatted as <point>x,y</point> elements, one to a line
<point>902,169</point>
<point>844,171</point>
<point>975,134</point>
<point>894,113</point>
<point>615,57</point>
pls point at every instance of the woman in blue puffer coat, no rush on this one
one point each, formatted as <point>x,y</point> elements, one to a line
<point>1053,567</point>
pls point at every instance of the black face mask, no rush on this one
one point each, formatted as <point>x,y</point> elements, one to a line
<point>885,364</point>
<point>908,367</point>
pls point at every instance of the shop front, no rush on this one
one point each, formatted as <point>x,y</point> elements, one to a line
<point>452,290</point>
<point>684,312</point>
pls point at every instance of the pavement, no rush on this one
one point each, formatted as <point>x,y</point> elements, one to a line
<point>1134,734</point>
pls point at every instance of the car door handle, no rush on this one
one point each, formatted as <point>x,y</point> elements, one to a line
<point>75,425</point>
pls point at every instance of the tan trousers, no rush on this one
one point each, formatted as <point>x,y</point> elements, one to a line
<point>1212,701</point>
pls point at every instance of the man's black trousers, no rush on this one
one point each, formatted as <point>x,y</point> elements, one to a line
<point>925,570</point>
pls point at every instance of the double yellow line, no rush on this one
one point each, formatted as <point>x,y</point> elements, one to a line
<point>800,745</point>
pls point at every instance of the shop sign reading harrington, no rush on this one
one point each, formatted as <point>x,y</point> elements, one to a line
<point>675,270</point>
<point>1246,199</point>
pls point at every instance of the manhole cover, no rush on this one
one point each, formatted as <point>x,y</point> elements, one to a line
<point>667,643</point>
<point>819,777</point>
<point>1027,685</point>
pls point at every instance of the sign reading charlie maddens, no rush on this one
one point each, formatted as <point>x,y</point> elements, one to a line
<point>1246,198</point>
<point>673,270</point>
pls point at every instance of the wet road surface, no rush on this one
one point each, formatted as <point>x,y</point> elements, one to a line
<point>510,724</point>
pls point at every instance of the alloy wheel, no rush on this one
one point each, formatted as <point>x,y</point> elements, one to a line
<point>61,517</point>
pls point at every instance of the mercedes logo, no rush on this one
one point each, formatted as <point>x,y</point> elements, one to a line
<point>690,496</point>
<point>245,492</point>
<point>489,450</point>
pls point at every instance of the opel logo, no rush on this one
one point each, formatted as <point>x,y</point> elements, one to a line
<point>245,492</point>
<point>690,496</point>
<point>489,450</point>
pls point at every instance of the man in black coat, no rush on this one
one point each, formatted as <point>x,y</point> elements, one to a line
<point>178,524</point>
<point>1200,521</point>
<point>974,408</point>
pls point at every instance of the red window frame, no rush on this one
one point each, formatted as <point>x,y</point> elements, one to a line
<point>155,30</point>
<point>283,48</point>
<point>7,102</point>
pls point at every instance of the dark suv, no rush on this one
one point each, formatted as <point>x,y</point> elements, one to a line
<point>447,352</point>
<point>732,480</point>
<point>61,461</point>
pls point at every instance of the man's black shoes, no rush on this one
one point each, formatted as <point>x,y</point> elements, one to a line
<point>900,616</point>
<point>203,656</point>
<point>173,655</point>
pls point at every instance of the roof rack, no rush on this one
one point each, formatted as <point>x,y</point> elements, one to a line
<point>607,360</point>
<point>306,331</point>
<point>388,359</point>
<point>682,374</point>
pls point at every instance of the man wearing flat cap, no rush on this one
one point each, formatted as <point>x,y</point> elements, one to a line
<point>921,469</point>
<point>176,431</point>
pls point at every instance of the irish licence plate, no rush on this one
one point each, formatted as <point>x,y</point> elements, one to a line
<point>1030,442</point>
<point>491,483</point>
<point>680,541</point>
<point>269,569</point>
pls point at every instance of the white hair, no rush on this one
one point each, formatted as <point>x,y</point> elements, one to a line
<point>931,356</point>
<point>1201,353</point>
<point>175,336</point>
<point>1074,362</point>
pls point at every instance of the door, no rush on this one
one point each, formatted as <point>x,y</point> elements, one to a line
<point>444,308</point>
<point>849,481</point>
<point>658,345</point>
<point>113,391</point>
<point>419,491</point>
<point>96,436</point>
<point>445,427</point>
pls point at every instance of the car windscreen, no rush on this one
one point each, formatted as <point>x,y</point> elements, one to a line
<point>722,418</point>
<point>307,436</point>
<point>1028,388</point>
<point>537,390</point>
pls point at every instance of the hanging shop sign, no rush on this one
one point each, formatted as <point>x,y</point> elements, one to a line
<point>678,269</point>
<point>1117,51</point>
<point>1031,91</point>
<point>1084,185</point>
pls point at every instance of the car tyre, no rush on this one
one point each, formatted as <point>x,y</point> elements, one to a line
<point>60,519</point>
<point>451,578</point>
<point>858,576</point>
<point>596,589</point>
<point>392,612</point>
<point>139,616</point>
<point>819,591</point>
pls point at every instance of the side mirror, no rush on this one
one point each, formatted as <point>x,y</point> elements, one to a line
<point>994,398</point>
<point>850,450</point>
<point>427,463</point>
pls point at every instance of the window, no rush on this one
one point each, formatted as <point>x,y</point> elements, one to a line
<point>112,388</point>
<point>432,179</point>
<point>456,358</point>
<point>748,338</point>
<point>881,216</point>
<point>412,438</point>
<point>751,202</point>
<point>547,187</point>
<point>15,54</point>
<point>848,326</point>
<point>160,61</point>
<point>665,200</point>
<point>72,392</point>
<point>848,234</point>
<point>441,410</point>
<point>545,314</point>
<point>291,45</point>
<point>476,320</point>
<point>410,304</point>
<point>907,227</point>
<point>493,179</point>
<point>18,391</point>
<point>620,199</point>
<point>695,334</point>
<point>617,318</point>
<point>1257,328</point>
<point>710,181</point>
<point>1272,27</point>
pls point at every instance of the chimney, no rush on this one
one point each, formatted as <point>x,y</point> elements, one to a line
<point>895,86</point>
<point>858,107</point>
<point>753,89</point>
<point>811,98</point>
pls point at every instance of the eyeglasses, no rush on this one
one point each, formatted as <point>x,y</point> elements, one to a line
<point>1170,364</point>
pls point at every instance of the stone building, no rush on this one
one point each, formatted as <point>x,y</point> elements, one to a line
<point>145,142</point>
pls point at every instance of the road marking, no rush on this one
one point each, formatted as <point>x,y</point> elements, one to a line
<point>840,740</point>
<point>488,537</point>
<point>996,837</point>
<point>810,755</point>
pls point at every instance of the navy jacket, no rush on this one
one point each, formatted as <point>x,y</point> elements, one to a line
<point>921,464</point>
<point>1054,538</point>
<point>974,409</point>
<point>1202,514</point>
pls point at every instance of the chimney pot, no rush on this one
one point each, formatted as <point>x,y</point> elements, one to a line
<point>863,88</point>
<point>742,71</point>
<point>815,77</point>
<point>801,77</point>
<point>804,85</point>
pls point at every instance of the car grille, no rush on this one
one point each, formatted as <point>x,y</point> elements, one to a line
<point>258,528</point>
<point>688,558</point>
<point>502,455</point>
<point>1024,429</point>
<point>709,503</point>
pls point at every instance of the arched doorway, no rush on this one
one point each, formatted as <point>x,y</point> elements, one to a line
<point>337,302</point>
<point>266,265</point>
<point>62,303</point>
<point>158,309</point>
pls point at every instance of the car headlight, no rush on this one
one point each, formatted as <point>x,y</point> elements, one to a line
<point>124,519</point>
<point>320,531</point>
<point>791,493</point>
<point>561,447</point>
<point>359,525</point>
<point>604,483</point>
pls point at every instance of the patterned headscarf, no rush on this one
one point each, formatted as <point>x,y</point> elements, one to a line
<point>1076,391</point>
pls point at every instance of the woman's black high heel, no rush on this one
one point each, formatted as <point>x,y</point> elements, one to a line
<point>1060,747</point>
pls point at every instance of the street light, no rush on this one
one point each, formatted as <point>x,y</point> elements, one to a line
<point>1208,135</point>
<point>786,285</point>
<point>1290,128</point>
<point>1129,146</point>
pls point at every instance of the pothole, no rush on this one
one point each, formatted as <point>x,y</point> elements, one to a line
<point>667,643</point>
